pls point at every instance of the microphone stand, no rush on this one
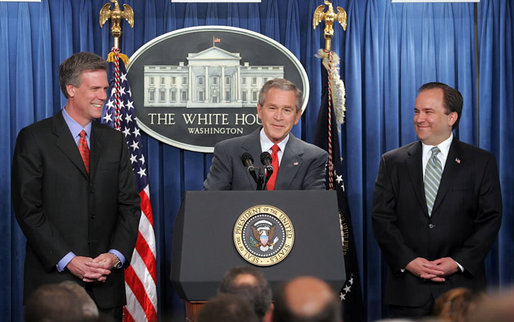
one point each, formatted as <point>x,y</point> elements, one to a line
<point>261,185</point>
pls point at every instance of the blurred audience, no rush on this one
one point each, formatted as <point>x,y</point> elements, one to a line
<point>456,304</point>
<point>89,308</point>
<point>497,308</point>
<point>306,299</point>
<point>227,308</point>
<point>250,283</point>
<point>62,302</point>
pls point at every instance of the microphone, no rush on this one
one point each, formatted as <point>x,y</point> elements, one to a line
<point>267,160</point>
<point>248,163</point>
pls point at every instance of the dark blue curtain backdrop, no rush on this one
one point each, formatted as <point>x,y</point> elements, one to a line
<point>387,52</point>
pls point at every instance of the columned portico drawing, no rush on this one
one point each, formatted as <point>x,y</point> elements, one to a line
<point>213,77</point>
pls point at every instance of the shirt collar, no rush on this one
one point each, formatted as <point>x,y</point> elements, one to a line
<point>75,128</point>
<point>444,147</point>
<point>266,143</point>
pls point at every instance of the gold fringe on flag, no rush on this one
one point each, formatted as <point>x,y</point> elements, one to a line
<point>112,57</point>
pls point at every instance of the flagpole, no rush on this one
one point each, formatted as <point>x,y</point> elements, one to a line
<point>141,274</point>
<point>330,118</point>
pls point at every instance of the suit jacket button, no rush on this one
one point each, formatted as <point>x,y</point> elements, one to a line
<point>431,226</point>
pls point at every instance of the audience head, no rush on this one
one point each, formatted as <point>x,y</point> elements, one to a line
<point>250,283</point>
<point>58,303</point>
<point>89,308</point>
<point>455,304</point>
<point>227,308</point>
<point>497,308</point>
<point>306,299</point>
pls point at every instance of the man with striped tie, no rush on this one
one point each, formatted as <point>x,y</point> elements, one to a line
<point>436,208</point>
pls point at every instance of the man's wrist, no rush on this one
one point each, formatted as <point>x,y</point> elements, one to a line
<point>117,261</point>
<point>63,263</point>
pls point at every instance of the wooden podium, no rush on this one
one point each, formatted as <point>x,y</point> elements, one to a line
<point>192,309</point>
<point>204,249</point>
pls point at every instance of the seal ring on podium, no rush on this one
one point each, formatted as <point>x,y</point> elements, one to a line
<point>263,235</point>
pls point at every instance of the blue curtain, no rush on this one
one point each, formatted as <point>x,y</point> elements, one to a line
<point>496,117</point>
<point>387,52</point>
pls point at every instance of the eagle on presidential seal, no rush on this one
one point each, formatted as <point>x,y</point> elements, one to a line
<point>263,232</point>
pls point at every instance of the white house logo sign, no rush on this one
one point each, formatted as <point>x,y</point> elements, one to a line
<point>196,86</point>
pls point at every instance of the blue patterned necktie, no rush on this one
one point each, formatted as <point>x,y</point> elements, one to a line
<point>433,174</point>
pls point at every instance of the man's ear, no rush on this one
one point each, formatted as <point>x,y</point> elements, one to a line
<point>70,89</point>
<point>298,116</point>
<point>452,118</point>
<point>259,108</point>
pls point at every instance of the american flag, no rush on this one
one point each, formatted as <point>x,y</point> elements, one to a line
<point>327,138</point>
<point>141,275</point>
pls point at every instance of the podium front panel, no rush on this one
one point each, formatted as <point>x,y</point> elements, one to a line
<point>203,247</point>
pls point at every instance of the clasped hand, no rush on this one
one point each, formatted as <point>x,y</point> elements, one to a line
<point>435,270</point>
<point>91,270</point>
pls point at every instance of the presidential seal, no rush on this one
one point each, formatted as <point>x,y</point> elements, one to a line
<point>263,235</point>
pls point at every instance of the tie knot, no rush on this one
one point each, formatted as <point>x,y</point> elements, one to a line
<point>82,133</point>
<point>275,148</point>
<point>435,150</point>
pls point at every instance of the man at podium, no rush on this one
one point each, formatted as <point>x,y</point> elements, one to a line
<point>270,158</point>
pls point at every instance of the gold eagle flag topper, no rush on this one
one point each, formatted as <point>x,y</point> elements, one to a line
<point>330,16</point>
<point>116,15</point>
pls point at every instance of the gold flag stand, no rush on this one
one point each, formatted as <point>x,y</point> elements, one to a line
<point>116,15</point>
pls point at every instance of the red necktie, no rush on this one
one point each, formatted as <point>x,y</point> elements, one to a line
<point>84,150</point>
<point>274,163</point>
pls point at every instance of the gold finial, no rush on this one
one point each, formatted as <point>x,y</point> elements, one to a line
<point>330,16</point>
<point>116,15</point>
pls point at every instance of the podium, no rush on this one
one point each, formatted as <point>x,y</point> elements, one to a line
<point>204,239</point>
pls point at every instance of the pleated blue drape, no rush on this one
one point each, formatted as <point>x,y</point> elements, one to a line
<point>387,52</point>
<point>496,118</point>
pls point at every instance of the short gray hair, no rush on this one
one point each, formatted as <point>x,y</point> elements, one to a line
<point>73,66</point>
<point>282,84</point>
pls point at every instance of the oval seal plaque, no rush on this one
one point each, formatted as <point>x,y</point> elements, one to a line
<point>263,235</point>
<point>194,87</point>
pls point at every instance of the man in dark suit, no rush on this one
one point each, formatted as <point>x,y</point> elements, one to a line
<point>301,166</point>
<point>78,209</point>
<point>436,211</point>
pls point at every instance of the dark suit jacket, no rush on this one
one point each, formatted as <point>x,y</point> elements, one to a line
<point>465,219</point>
<point>61,208</point>
<point>302,166</point>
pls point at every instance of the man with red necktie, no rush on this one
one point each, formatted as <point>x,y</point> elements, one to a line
<point>297,165</point>
<point>74,194</point>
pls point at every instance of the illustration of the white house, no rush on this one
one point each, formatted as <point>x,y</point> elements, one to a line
<point>212,78</point>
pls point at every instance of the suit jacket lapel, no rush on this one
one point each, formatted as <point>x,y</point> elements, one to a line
<point>66,143</point>
<point>252,145</point>
<point>415,169</point>
<point>450,173</point>
<point>291,162</point>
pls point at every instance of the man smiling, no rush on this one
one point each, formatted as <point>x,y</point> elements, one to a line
<point>74,194</point>
<point>436,208</point>
<point>297,165</point>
